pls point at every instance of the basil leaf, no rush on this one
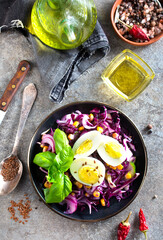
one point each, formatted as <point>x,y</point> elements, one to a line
<point>52,171</point>
<point>60,139</point>
<point>44,159</point>
<point>57,164</point>
<point>59,190</point>
<point>66,156</point>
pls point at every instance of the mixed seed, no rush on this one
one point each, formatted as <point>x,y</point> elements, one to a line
<point>10,168</point>
<point>23,208</point>
<point>147,14</point>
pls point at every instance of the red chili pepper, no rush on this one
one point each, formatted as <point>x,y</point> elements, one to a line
<point>123,228</point>
<point>142,223</point>
<point>136,32</point>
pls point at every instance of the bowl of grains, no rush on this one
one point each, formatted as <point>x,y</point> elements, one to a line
<point>138,22</point>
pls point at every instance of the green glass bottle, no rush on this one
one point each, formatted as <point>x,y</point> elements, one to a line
<point>63,24</point>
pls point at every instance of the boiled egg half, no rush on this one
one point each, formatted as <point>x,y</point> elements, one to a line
<point>87,144</point>
<point>88,170</point>
<point>111,151</point>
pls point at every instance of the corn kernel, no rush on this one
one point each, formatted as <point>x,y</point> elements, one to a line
<point>76,124</point>
<point>78,184</point>
<point>81,128</point>
<point>45,148</point>
<point>70,136</point>
<point>120,167</point>
<point>114,135</point>
<point>112,167</point>
<point>73,194</point>
<point>47,184</point>
<point>96,193</point>
<point>103,202</point>
<point>87,195</point>
<point>42,145</point>
<point>91,117</point>
<point>88,187</point>
<point>128,175</point>
<point>100,129</point>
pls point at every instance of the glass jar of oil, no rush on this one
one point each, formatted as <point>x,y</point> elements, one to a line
<point>128,75</point>
<point>63,24</point>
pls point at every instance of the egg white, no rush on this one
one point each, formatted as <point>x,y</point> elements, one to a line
<point>88,161</point>
<point>106,157</point>
<point>94,136</point>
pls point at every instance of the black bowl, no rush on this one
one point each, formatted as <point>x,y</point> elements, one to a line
<point>37,176</point>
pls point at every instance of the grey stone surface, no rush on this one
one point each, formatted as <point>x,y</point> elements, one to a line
<point>146,108</point>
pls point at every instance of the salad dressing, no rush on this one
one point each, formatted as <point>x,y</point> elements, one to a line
<point>127,76</point>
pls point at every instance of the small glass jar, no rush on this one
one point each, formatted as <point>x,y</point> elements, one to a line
<point>128,74</point>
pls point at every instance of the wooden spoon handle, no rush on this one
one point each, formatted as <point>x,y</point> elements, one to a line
<point>14,84</point>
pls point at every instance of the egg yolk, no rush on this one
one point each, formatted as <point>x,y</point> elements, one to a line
<point>113,149</point>
<point>88,174</point>
<point>84,147</point>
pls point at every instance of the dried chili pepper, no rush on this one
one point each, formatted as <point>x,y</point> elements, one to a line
<point>123,228</point>
<point>136,32</point>
<point>142,223</point>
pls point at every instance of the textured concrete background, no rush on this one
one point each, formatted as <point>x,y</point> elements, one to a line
<point>145,109</point>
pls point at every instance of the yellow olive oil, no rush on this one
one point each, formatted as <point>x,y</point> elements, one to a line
<point>128,76</point>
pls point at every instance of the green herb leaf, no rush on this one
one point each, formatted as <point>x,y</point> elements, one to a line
<point>52,171</point>
<point>59,190</point>
<point>44,159</point>
<point>60,139</point>
<point>57,164</point>
<point>66,156</point>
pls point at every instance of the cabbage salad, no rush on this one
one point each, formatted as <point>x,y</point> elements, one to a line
<point>87,160</point>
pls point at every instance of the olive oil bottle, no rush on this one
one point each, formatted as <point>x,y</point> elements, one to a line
<point>63,24</point>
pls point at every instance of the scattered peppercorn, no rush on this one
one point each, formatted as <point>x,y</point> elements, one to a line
<point>124,228</point>
<point>149,131</point>
<point>24,210</point>
<point>155,196</point>
<point>10,168</point>
<point>149,126</point>
<point>142,223</point>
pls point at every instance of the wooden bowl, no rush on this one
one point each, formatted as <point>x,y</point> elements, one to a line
<point>113,10</point>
